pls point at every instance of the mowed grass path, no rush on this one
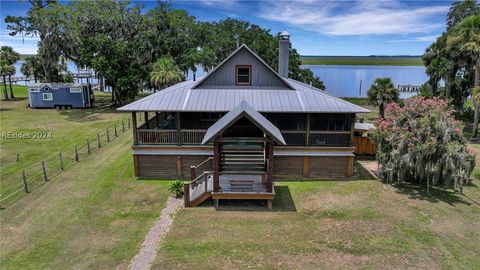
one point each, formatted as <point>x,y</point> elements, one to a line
<point>331,225</point>
<point>68,127</point>
<point>93,216</point>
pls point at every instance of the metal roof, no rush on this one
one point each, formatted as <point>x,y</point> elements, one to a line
<point>364,126</point>
<point>305,98</point>
<point>244,109</point>
<point>55,85</point>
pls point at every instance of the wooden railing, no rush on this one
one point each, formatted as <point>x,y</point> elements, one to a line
<point>294,137</point>
<point>147,136</point>
<point>192,136</point>
<point>330,138</point>
<point>170,136</point>
<point>197,188</point>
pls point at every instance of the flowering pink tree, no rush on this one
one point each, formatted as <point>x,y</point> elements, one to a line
<point>422,142</point>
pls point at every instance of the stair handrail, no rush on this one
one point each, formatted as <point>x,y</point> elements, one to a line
<point>194,169</point>
<point>193,184</point>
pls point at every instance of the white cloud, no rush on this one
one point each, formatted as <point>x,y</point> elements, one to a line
<point>429,38</point>
<point>341,18</point>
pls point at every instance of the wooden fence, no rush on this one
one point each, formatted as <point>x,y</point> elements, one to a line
<point>364,146</point>
<point>41,172</point>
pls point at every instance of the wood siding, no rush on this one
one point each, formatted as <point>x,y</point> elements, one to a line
<point>364,146</point>
<point>327,167</point>
<point>167,167</point>
<point>225,75</point>
<point>288,167</point>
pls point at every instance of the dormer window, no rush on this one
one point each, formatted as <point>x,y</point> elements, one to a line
<point>244,74</point>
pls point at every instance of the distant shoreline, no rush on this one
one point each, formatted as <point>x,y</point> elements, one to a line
<point>363,60</point>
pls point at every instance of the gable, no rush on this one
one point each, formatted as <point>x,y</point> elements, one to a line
<point>225,75</point>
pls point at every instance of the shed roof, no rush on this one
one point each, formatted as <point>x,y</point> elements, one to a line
<point>55,85</point>
<point>244,109</point>
<point>363,126</point>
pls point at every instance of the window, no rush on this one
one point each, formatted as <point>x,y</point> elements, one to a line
<point>244,75</point>
<point>210,117</point>
<point>34,90</point>
<point>75,90</point>
<point>47,96</point>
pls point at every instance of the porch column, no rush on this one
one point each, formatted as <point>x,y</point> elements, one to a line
<point>269,165</point>
<point>178,126</point>
<point>145,114</point>
<point>157,121</point>
<point>307,137</point>
<point>134,127</point>
<point>216,161</point>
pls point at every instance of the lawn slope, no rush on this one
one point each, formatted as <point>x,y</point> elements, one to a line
<point>331,225</point>
<point>93,216</point>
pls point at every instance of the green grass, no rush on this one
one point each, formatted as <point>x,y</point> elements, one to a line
<point>67,127</point>
<point>332,224</point>
<point>362,60</point>
<point>93,216</point>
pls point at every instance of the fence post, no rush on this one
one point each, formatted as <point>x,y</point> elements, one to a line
<point>61,160</point>
<point>115,129</point>
<point>76,153</point>
<point>108,136</point>
<point>128,123</point>
<point>44,170</point>
<point>25,184</point>
<point>98,140</point>
<point>18,157</point>
<point>88,146</point>
<point>123,126</point>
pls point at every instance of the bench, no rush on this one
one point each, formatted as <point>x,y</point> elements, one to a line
<point>240,184</point>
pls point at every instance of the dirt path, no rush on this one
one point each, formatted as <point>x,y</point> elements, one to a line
<point>148,251</point>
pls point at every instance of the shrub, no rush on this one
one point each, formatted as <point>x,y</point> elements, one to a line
<point>176,188</point>
<point>421,142</point>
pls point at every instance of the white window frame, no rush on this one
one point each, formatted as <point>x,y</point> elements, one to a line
<point>34,90</point>
<point>47,99</point>
<point>76,90</point>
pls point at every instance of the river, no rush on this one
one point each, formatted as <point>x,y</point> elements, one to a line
<point>341,81</point>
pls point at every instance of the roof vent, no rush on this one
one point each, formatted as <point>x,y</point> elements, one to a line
<point>283,53</point>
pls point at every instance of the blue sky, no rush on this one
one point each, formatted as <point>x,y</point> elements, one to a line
<point>380,27</point>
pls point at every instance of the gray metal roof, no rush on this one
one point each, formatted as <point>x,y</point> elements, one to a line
<point>364,126</point>
<point>55,85</point>
<point>305,98</point>
<point>244,109</point>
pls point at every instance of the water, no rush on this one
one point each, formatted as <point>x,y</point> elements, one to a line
<point>344,81</point>
<point>341,81</point>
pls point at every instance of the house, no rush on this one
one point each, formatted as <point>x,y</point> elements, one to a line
<point>53,95</point>
<point>240,127</point>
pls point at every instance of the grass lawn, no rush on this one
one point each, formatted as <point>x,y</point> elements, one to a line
<point>93,216</point>
<point>331,225</point>
<point>67,127</point>
<point>362,60</point>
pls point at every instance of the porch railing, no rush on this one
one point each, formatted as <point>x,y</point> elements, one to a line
<point>186,136</point>
<point>292,138</point>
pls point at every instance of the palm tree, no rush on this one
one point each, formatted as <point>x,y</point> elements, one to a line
<point>165,73</point>
<point>31,67</point>
<point>381,93</point>
<point>4,73</point>
<point>10,70</point>
<point>9,57</point>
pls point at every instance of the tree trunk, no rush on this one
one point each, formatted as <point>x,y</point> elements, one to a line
<point>11,90</point>
<point>381,110</point>
<point>5,94</point>
<point>35,78</point>
<point>194,76</point>
<point>476,83</point>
